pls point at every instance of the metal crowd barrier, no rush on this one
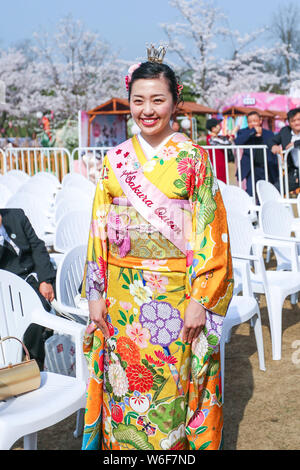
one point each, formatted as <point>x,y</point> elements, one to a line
<point>88,162</point>
<point>31,160</point>
<point>284,180</point>
<point>238,153</point>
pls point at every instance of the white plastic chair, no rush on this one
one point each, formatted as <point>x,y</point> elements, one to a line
<point>221,185</point>
<point>65,206</point>
<point>59,396</point>
<point>41,187</point>
<point>70,192</point>
<point>276,285</point>
<point>80,182</point>
<point>5,194</point>
<point>45,175</point>
<point>277,222</point>
<point>20,174</point>
<point>266,191</point>
<point>72,229</point>
<point>241,309</point>
<point>237,199</point>
<point>48,181</point>
<point>35,212</point>
<point>12,182</point>
<point>68,279</point>
<point>75,179</point>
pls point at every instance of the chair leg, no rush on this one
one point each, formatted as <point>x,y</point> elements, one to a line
<point>79,423</point>
<point>275,319</point>
<point>30,441</point>
<point>223,340</point>
<point>256,323</point>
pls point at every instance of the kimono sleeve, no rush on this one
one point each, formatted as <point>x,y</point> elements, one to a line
<point>95,272</point>
<point>209,259</point>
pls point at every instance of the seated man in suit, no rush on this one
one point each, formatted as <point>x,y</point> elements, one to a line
<point>24,254</point>
<point>254,134</point>
<point>289,136</point>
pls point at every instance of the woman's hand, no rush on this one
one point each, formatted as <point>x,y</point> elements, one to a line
<point>194,321</point>
<point>98,314</point>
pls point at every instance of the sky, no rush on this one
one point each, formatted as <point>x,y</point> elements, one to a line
<point>128,25</point>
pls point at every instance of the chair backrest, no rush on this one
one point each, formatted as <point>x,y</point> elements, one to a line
<point>72,192</point>
<point>17,302</point>
<point>65,206</point>
<point>79,182</point>
<point>70,274</point>
<point>73,178</point>
<point>266,191</point>
<point>241,232</point>
<point>275,219</point>
<point>13,183</point>
<point>221,184</point>
<point>5,194</point>
<point>71,230</point>
<point>40,186</point>
<point>20,174</point>
<point>43,190</point>
<point>33,209</point>
<point>47,178</point>
<point>236,199</point>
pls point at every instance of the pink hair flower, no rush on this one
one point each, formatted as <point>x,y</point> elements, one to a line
<point>131,69</point>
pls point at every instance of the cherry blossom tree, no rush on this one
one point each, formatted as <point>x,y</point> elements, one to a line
<point>60,74</point>
<point>79,69</point>
<point>195,40</point>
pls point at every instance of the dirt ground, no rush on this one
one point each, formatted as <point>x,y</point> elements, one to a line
<point>261,409</point>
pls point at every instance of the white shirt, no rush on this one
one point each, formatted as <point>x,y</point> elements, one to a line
<point>295,152</point>
<point>4,236</point>
<point>150,151</point>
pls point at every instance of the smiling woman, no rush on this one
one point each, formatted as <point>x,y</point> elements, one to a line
<point>158,308</point>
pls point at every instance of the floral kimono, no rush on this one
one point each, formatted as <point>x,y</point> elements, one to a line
<point>158,238</point>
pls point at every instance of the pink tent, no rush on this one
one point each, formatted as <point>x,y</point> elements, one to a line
<point>264,101</point>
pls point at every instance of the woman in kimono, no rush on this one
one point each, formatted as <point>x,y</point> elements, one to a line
<point>158,280</point>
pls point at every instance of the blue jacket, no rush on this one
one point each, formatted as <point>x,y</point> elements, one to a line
<point>248,137</point>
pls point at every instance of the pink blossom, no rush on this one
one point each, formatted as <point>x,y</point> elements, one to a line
<point>138,334</point>
<point>153,263</point>
<point>126,305</point>
<point>167,153</point>
<point>156,282</point>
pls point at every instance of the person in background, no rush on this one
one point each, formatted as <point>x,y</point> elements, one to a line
<point>175,126</point>
<point>24,254</point>
<point>214,138</point>
<point>254,135</point>
<point>288,137</point>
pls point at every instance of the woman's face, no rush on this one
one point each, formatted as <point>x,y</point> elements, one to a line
<point>152,106</point>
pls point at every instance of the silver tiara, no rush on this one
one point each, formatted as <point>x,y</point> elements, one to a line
<point>156,54</point>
